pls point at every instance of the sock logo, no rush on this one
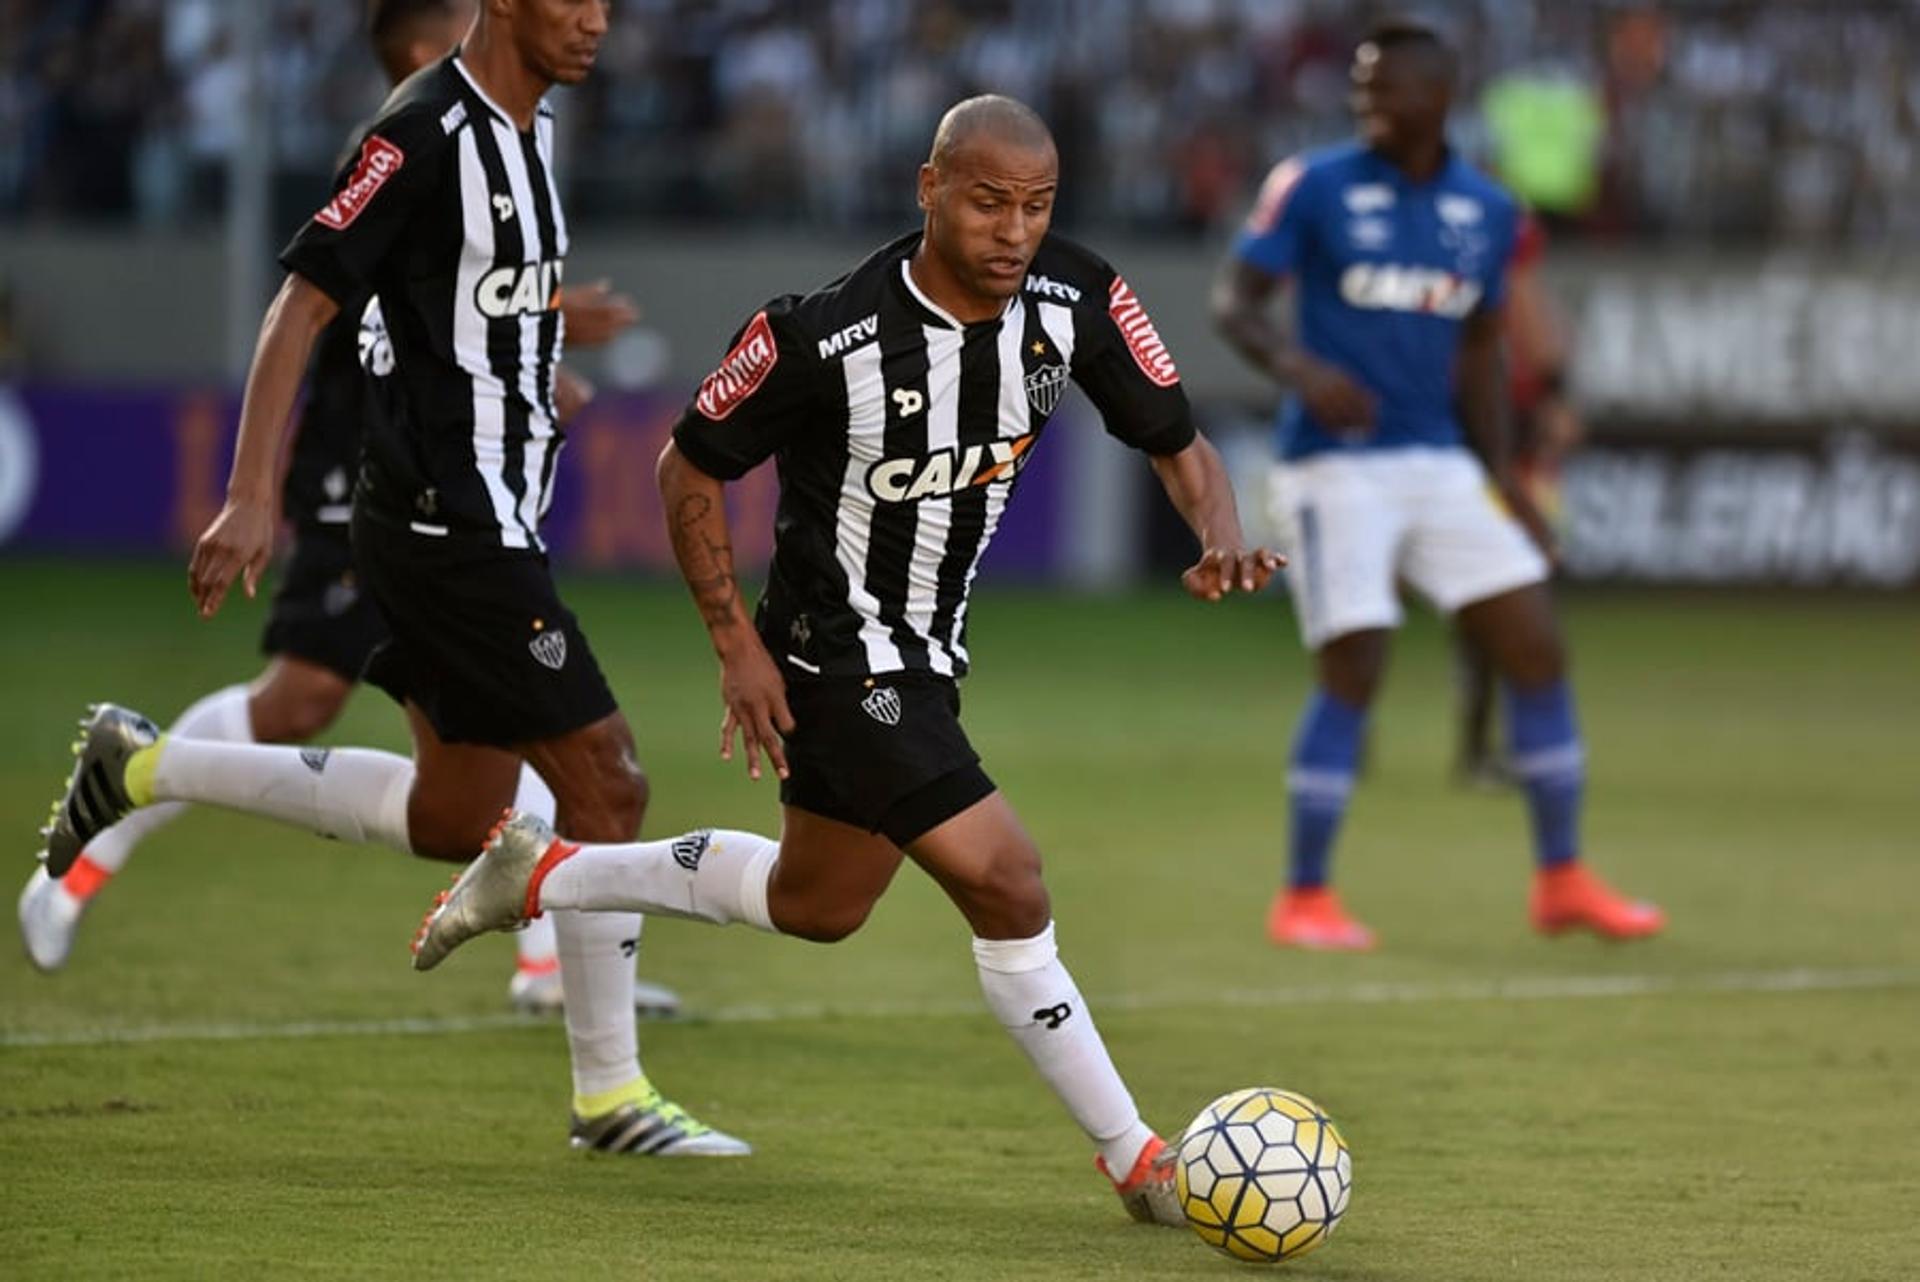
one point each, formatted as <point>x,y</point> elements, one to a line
<point>1053,1016</point>
<point>628,947</point>
<point>315,759</point>
<point>690,849</point>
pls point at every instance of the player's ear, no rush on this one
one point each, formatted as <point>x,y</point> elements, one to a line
<point>929,183</point>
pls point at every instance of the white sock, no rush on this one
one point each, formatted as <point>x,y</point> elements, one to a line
<point>221,715</point>
<point>535,942</point>
<point>1034,998</point>
<point>353,794</point>
<point>596,952</point>
<point>717,875</point>
<point>596,973</point>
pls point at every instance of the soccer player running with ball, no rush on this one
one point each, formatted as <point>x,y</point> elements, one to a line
<point>901,403</point>
<point>1396,252</point>
<point>323,626</point>
<point>448,217</point>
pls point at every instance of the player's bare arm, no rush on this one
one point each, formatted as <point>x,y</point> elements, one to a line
<point>750,684</point>
<point>240,540</point>
<point>1196,481</point>
<point>1247,303</point>
<point>1481,381</point>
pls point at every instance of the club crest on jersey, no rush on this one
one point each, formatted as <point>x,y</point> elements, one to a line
<point>883,705</point>
<point>1458,211</point>
<point>944,472</point>
<point>379,161</point>
<point>1044,387</point>
<point>1143,340</point>
<point>524,289</point>
<point>741,372</point>
<point>550,649</point>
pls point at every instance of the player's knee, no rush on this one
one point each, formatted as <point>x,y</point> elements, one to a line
<point>453,834</point>
<point>294,716</point>
<point>1538,664</point>
<point>1005,897</point>
<point>824,923</point>
<point>607,801</point>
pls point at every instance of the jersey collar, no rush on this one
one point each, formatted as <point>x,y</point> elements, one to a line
<point>1449,165</point>
<point>919,297</point>
<point>487,102</point>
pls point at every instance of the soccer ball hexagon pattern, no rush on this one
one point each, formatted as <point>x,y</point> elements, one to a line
<point>1263,1175</point>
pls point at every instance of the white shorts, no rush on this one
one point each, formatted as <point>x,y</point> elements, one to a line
<point>1355,524</point>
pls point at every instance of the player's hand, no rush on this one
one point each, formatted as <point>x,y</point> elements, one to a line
<point>237,544</point>
<point>1335,399</point>
<point>571,394</point>
<point>595,314</point>
<point>1223,570</point>
<point>756,697</point>
<point>1520,505</point>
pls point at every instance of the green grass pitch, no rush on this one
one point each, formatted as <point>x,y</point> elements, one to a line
<point>1735,1101</point>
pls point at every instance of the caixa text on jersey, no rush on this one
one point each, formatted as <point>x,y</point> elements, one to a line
<point>519,290</point>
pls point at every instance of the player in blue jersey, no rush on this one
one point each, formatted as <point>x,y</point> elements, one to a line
<point>1393,251</point>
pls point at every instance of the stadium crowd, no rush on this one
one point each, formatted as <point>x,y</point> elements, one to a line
<point>1710,119</point>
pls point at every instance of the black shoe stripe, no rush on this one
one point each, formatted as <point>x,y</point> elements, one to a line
<point>99,804</point>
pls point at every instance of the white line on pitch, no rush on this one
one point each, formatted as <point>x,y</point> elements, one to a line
<point>1509,989</point>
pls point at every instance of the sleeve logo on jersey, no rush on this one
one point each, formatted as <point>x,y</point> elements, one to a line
<point>1265,215</point>
<point>379,161</point>
<point>742,372</point>
<point>1427,291</point>
<point>945,472</point>
<point>1143,340</point>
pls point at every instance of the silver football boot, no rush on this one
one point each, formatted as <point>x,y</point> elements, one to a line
<point>1148,1192</point>
<point>96,797</point>
<point>654,1126</point>
<point>490,895</point>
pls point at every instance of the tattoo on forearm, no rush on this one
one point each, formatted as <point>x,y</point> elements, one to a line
<point>706,562</point>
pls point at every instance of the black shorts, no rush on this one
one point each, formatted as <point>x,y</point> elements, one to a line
<point>321,611</point>
<point>884,753</point>
<point>480,640</point>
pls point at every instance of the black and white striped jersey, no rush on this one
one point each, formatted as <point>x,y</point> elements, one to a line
<point>448,216</point>
<point>900,433</point>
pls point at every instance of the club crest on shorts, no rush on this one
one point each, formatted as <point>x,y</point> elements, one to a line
<point>550,648</point>
<point>1044,387</point>
<point>883,705</point>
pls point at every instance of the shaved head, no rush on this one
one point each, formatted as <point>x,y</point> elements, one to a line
<point>987,190</point>
<point>989,117</point>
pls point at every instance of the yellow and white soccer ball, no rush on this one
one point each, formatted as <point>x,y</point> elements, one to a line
<point>1263,1175</point>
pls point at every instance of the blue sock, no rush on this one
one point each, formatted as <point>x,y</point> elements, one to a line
<point>1552,765</point>
<point>1326,752</point>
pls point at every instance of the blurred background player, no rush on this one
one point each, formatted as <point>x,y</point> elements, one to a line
<point>1546,428</point>
<point>1395,251</point>
<point>902,402</point>
<point>322,627</point>
<point>445,215</point>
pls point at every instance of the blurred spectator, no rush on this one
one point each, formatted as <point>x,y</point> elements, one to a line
<point>1710,118</point>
